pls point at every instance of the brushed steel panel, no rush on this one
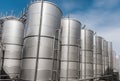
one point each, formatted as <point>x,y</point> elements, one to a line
<point>87,57</point>
<point>1,54</point>
<point>87,69</point>
<point>44,69</point>
<point>51,19</point>
<point>110,48</point>
<point>74,31</point>
<point>73,53</point>
<point>69,79</point>
<point>71,69</point>
<point>13,31</point>
<point>51,15</point>
<point>30,48</point>
<point>13,51</point>
<point>12,39</point>
<point>87,39</point>
<point>87,53</point>
<point>70,50</point>
<point>11,67</point>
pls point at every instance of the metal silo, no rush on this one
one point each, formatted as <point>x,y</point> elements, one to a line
<point>0,46</point>
<point>87,53</point>
<point>98,56</point>
<point>0,58</point>
<point>12,39</point>
<point>70,49</point>
<point>0,30</point>
<point>105,57</point>
<point>39,52</point>
<point>110,56</point>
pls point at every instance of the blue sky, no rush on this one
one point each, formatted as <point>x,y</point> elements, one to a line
<point>102,16</point>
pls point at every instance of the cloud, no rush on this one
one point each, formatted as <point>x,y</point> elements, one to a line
<point>106,3</point>
<point>112,34</point>
<point>105,23</point>
<point>69,6</point>
<point>102,17</point>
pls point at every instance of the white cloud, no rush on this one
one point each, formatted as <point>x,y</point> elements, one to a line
<point>101,19</point>
<point>112,34</point>
<point>105,23</point>
<point>68,6</point>
<point>106,3</point>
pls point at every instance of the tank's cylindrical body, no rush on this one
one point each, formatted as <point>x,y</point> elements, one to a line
<point>97,56</point>
<point>114,61</point>
<point>110,56</point>
<point>1,58</point>
<point>70,49</point>
<point>39,58</point>
<point>0,46</point>
<point>12,39</point>
<point>105,57</point>
<point>0,30</point>
<point>87,53</point>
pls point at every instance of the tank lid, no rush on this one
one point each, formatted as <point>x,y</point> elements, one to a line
<point>99,37</point>
<point>73,19</point>
<point>2,19</point>
<point>48,3</point>
<point>88,30</point>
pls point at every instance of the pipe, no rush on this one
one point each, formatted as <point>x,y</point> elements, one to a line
<point>94,78</point>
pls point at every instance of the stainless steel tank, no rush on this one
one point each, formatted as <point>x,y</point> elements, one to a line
<point>1,58</point>
<point>97,56</point>
<point>114,61</point>
<point>12,40</point>
<point>0,30</point>
<point>110,56</point>
<point>87,53</point>
<point>105,57</point>
<point>0,46</point>
<point>70,49</point>
<point>39,56</point>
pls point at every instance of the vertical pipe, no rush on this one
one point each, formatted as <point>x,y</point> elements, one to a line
<point>38,46</point>
<point>58,55</point>
<point>85,55</point>
<point>78,42</point>
<point>68,46</point>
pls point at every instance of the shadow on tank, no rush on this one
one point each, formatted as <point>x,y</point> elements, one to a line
<point>4,75</point>
<point>111,77</point>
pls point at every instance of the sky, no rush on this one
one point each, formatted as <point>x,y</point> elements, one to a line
<point>102,16</point>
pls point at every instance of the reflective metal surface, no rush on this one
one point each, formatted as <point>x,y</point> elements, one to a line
<point>0,31</point>
<point>47,18</point>
<point>105,57</point>
<point>87,53</point>
<point>12,39</point>
<point>70,49</point>
<point>0,46</point>
<point>1,58</point>
<point>110,55</point>
<point>97,56</point>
